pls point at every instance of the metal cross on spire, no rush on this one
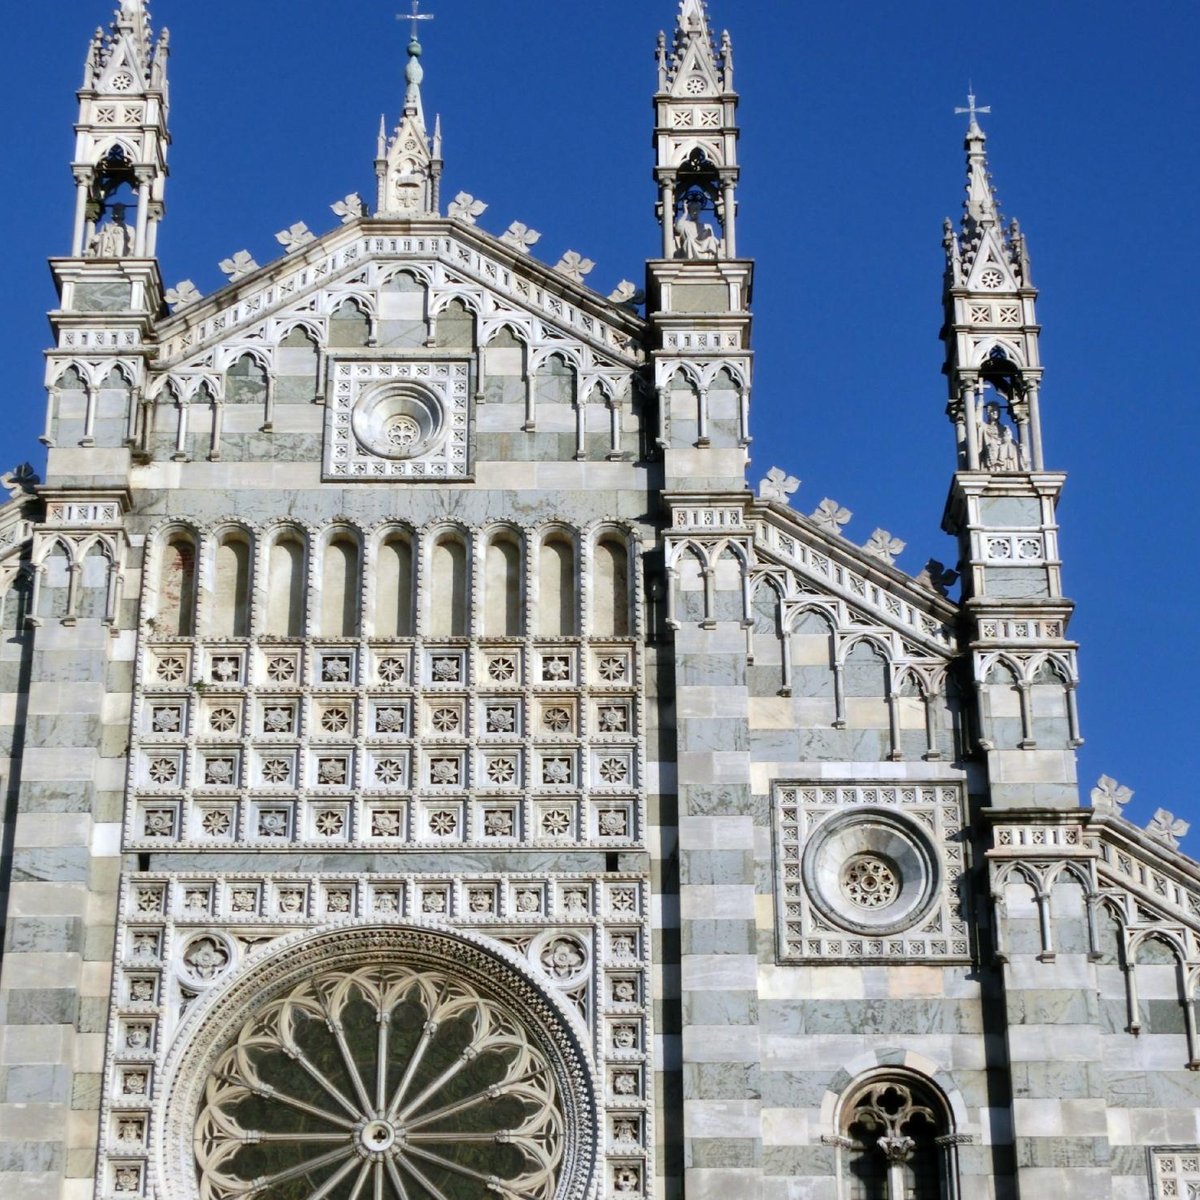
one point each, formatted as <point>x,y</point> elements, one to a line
<point>415,16</point>
<point>972,109</point>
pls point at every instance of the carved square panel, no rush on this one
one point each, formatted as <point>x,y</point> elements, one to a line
<point>398,420</point>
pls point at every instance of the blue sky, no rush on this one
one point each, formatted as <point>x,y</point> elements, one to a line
<point>852,156</point>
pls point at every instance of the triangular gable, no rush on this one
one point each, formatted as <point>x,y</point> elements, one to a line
<point>353,261</point>
<point>991,271</point>
<point>697,64</point>
<point>125,61</point>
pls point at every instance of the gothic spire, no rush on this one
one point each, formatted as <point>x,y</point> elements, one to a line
<point>991,331</point>
<point>980,209</point>
<point>696,139</point>
<point>409,166</point>
<point>128,48</point>
<point>414,73</point>
<point>694,67</point>
<point>120,164</point>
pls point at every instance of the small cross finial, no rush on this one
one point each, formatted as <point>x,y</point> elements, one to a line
<point>415,16</point>
<point>972,110</point>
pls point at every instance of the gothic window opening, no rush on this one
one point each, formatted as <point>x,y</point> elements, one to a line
<point>297,363</point>
<point>403,300</point>
<point>556,383</point>
<point>246,382</point>
<point>112,205</point>
<point>895,1143</point>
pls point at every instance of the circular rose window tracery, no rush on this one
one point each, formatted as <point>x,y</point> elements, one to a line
<point>386,1083</point>
<point>379,1064</point>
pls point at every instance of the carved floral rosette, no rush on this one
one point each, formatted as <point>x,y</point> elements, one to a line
<point>226,1040</point>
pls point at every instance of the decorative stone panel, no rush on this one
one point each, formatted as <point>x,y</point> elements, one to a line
<point>870,872</point>
<point>398,420</point>
<point>583,938</point>
<point>1174,1172</point>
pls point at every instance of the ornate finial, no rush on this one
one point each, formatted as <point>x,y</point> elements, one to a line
<point>574,266</point>
<point>981,208</point>
<point>238,266</point>
<point>777,486</point>
<point>628,294</point>
<point>464,207</point>
<point>181,295</point>
<point>520,236</point>
<point>1167,828</point>
<point>20,481</point>
<point>830,516</point>
<point>972,109</point>
<point>936,577</point>
<point>349,208</point>
<point>413,17</point>
<point>883,546</point>
<point>295,237</point>
<point>1109,796</point>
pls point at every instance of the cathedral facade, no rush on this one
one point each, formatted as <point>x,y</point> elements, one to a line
<point>433,773</point>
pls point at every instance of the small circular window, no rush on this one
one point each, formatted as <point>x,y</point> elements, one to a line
<point>870,881</point>
<point>398,421</point>
<point>871,871</point>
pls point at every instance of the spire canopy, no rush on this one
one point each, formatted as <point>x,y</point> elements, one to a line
<point>408,166</point>
<point>696,68</point>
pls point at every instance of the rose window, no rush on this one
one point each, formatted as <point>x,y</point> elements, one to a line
<point>403,432</point>
<point>870,881</point>
<point>385,1082</point>
<point>990,279</point>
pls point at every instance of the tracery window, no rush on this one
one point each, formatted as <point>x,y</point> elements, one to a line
<point>893,1146</point>
<point>386,1082</point>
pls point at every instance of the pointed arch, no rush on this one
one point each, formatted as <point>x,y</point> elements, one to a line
<point>246,379</point>
<point>297,365</point>
<point>517,337</point>
<point>555,379</point>
<point>351,323</point>
<point>404,308</point>
<point>454,322</point>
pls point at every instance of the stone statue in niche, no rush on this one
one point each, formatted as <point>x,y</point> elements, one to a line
<point>114,239</point>
<point>692,239</point>
<point>998,448</point>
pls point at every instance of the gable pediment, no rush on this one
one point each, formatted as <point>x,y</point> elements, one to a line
<point>355,263</point>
